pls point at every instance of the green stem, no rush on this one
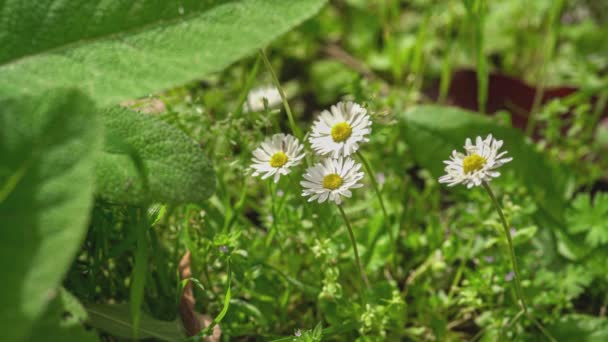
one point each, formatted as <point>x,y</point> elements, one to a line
<point>551,36</point>
<point>273,225</point>
<point>275,79</point>
<point>354,242</point>
<point>514,262</point>
<point>600,105</point>
<point>511,249</point>
<point>372,175</point>
<point>248,84</point>
<point>541,328</point>
<point>476,11</point>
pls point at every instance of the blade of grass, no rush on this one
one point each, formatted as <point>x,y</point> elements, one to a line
<point>482,65</point>
<point>417,60</point>
<point>140,269</point>
<point>248,85</point>
<point>548,51</point>
<point>292,124</point>
<point>446,67</point>
<point>207,331</point>
<point>476,13</point>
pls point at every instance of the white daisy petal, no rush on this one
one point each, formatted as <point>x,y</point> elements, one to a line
<point>339,131</point>
<point>331,179</point>
<point>477,164</point>
<point>276,156</point>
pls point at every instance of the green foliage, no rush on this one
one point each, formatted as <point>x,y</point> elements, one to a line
<point>48,149</point>
<point>146,160</point>
<point>581,328</point>
<point>590,217</point>
<point>226,305</point>
<point>50,138</point>
<point>267,264</point>
<point>313,335</point>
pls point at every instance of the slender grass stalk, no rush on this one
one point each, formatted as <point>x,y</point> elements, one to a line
<point>541,328</point>
<point>482,64</point>
<point>354,243</point>
<point>600,105</point>
<point>548,52</point>
<point>226,304</point>
<point>446,74</point>
<point>476,13</point>
<point>446,65</point>
<point>372,175</point>
<point>140,269</point>
<point>458,275</point>
<point>275,79</point>
<point>417,61</point>
<point>248,84</point>
<point>514,263</point>
<point>237,210</point>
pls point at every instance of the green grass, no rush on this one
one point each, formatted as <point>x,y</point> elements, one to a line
<point>266,263</point>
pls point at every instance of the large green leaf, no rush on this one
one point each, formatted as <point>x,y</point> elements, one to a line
<point>115,319</point>
<point>434,131</point>
<point>48,146</point>
<point>147,160</point>
<point>117,50</point>
<point>63,321</point>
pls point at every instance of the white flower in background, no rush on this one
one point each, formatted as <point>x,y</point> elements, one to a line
<point>340,131</point>
<point>276,155</point>
<point>478,165</point>
<point>255,98</point>
<point>331,179</point>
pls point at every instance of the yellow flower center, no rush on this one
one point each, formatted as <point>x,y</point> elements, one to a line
<point>341,131</point>
<point>278,159</point>
<point>332,181</point>
<point>472,163</point>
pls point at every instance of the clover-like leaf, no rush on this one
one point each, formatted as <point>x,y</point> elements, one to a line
<point>590,217</point>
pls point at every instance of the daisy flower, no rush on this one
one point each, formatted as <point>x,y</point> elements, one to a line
<point>256,97</point>
<point>276,155</point>
<point>331,179</point>
<point>340,131</point>
<point>477,165</point>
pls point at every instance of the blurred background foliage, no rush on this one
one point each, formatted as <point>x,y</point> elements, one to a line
<point>283,267</point>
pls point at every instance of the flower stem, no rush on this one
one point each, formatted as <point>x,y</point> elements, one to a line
<point>511,249</point>
<point>514,262</point>
<point>273,225</point>
<point>372,175</point>
<point>354,243</point>
<point>275,79</point>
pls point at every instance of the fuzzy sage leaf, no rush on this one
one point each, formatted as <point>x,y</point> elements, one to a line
<point>148,160</point>
<point>116,50</point>
<point>48,145</point>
